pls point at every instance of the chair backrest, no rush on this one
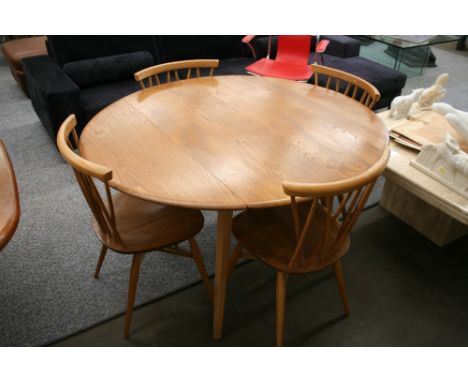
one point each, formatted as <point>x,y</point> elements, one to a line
<point>9,198</point>
<point>85,172</point>
<point>346,83</point>
<point>151,76</point>
<point>337,204</point>
<point>294,49</point>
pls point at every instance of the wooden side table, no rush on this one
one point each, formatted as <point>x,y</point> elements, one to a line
<point>428,206</point>
<point>15,50</point>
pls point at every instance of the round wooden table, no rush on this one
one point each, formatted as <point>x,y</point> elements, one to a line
<point>227,143</point>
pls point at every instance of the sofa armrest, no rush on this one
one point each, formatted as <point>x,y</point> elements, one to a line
<point>342,46</point>
<point>54,95</point>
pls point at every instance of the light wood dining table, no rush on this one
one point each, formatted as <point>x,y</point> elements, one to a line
<point>227,143</point>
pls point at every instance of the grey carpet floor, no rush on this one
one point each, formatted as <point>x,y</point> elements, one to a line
<point>47,291</point>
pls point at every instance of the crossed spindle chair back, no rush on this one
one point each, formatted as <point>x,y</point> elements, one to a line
<point>85,172</point>
<point>144,226</point>
<point>336,207</point>
<point>346,83</point>
<point>176,70</point>
<point>310,235</point>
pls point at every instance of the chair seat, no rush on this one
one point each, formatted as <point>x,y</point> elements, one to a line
<point>272,68</point>
<point>9,199</point>
<point>144,226</point>
<point>269,235</point>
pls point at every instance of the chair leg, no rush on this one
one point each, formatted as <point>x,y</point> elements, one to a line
<point>281,279</point>
<point>132,287</point>
<point>341,286</point>
<point>102,256</point>
<point>201,267</point>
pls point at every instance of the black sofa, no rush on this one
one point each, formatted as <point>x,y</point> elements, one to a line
<point>83,74</point>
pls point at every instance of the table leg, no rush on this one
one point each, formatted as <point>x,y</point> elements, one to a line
<point>400,58</point>
<point>425,62</point>
<point>397,58</point>
<point>223,241</point>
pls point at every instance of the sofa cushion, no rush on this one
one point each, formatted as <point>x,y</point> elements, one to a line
<point>382,77</point>
<point>72,48</point>
<point>176,48</point>
<point>342,46</point>
<point>107,69</point>
<point>230,66</point>
<point>96,98</point>
<point>260,44</point>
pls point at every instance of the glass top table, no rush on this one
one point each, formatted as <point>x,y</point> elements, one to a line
<point>412,50</point>
<point>412,41</point>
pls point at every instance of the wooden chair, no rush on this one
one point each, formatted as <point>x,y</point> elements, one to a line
<point>9,198</point>
<point>127,224</point>
<point>308,236</point>
<point>346,83</point>
<point>150,76</point>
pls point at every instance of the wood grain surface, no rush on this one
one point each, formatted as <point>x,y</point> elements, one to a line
<point>9,198</point>
<point>227,143</point>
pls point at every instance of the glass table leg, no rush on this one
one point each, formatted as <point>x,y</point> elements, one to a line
<point>425,61</point>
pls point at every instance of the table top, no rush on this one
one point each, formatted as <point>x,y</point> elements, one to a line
<point>428,189</point>
<point>408,41</point>
<point>228,142</point>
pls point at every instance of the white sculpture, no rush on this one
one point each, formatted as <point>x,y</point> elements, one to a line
<point>402,105</point>
<point>433,93</point>
<point>446,163</point>
<point>456,118</point>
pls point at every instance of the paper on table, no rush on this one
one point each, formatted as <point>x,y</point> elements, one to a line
<point>427,129</point>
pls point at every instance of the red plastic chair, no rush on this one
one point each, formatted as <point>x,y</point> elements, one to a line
<point>292,58</point>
